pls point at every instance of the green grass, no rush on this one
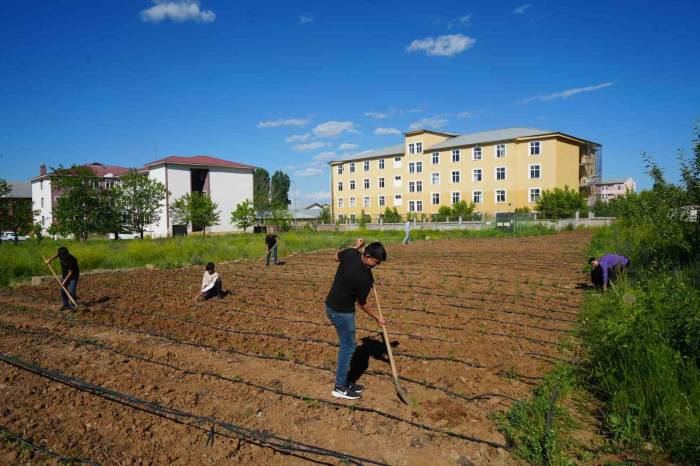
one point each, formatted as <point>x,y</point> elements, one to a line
<point>19,262</point>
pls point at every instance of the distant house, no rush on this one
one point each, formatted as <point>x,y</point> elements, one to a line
<point>606,190</point>
<point>317,206</point>
<point>226,183</point>
<point>19,190</point>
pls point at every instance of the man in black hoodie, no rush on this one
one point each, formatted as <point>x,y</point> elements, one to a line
<point>70,272</point>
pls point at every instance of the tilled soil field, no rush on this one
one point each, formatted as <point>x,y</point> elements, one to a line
<point>146,376</point>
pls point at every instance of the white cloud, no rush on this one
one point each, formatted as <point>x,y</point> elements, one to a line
<point>330,129</point>
<point>298,137</point>
<point>324,156</point>
<point>307,172</point>
<point>346,146</point>
<point>177,11</point>
<point>376,115</point>
<point>463,114</point>
<point>310,146</point>
<point>435,122</point>
<point>521,9</point>
<point>316,196</point>
<point>442,46</point>
<point>304,19</point>
<point>462,21</point>
<point>283,122</point>
<point>386,131</point>
<point>568,92</point>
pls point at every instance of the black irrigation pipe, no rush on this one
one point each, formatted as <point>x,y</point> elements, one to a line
<point>7,434</point>
<point>276,391</point>
<point>507,322</point>
<point>281,358</point>
<point>505,311</point>
<point>257,437</point>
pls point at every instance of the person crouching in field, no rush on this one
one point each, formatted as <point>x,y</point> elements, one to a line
<point>271,243</point>
<point>70,272</point>
<point>606,269</point>
<point>211,284</point>
<point>352,283</point>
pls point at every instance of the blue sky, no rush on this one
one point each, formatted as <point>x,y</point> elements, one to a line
<point>283,84</point>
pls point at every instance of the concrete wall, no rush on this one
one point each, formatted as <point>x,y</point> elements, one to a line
<point>229,187</point>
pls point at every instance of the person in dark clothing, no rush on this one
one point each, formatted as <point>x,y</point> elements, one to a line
<point>70,272</point>
<point>352,283</point>
<point>606,269</point>
<point>271,242</point>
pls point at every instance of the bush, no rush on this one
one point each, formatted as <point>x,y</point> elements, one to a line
<point>562,203</point>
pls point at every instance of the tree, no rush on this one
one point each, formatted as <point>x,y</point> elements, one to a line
<point>261,189</point>
<point>244,215</point>
<point>463,209</point>
<point>280,219</point>
<point>78,209</point>
<point>195,209</point>
<point>140,199</point>
<point>364,219</point>
<point>444,212</point>
<point>4,187</point>
<point>562,203</point>
<point>279,190</point>
<point>325,215</point>
<point>391,215</point>
<point>18,217</point>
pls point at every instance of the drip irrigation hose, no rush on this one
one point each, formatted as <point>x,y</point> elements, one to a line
<point>7,434</point>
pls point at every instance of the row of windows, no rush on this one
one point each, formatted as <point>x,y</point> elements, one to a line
<point>499,152</point>
<point>500,196</point>
<point>500,174</point>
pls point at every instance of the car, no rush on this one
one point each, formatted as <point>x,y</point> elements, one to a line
<point>10,236</point>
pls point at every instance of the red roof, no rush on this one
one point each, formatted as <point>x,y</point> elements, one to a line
<point>199,160</point>
<point>101,170</point>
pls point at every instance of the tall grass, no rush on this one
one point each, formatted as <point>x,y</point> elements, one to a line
<point>21,261</point>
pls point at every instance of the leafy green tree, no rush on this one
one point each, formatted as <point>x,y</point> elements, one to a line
<point>364,219</point>
<point>77,211</point>
<point>280,219</point>
<point>195,209</point>
<point>325,215</point>
<point>261,189</point>
<point>18,216</point>
<point>463,209</point>
<point>562,203</point>
<point>38,231</point>
<point>391,215</point>
<point>443,213</point>
<point>4,187</point>
<point>279,190</point>
<point>244,215</point>
<point>140,199</point>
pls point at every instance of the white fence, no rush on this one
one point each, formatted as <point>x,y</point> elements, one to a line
<point>559,224</point>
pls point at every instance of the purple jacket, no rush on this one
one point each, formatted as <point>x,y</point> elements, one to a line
<point>609,261</point>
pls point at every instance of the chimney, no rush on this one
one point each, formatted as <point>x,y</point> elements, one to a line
<point>42,170</point>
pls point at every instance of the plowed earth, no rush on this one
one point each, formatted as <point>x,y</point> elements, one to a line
<point>473,323</point>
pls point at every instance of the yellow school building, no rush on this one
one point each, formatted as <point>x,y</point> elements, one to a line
<point>498,171</point>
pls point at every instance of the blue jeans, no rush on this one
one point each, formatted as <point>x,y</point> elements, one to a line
<point>272,252</point>
<point>72,287</point>
<point>344,323</point>
<point>407,238</point>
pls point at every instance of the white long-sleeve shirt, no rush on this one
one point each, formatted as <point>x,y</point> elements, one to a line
<point>208,280</point>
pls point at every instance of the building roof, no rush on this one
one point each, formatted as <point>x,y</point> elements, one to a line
<point>104,170</point>
<point>315,205</point>
<point>19,190</point>
<point>206,160</point>
<point>368,154</point>
<point>614,181</point>
<point>489,136</point>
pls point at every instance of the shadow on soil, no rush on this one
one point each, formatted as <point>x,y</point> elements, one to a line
<point>370,348</point>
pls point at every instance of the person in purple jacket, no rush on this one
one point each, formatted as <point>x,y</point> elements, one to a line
<point>607,269</point>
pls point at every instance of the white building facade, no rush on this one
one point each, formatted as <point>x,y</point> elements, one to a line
<point>611,189</point>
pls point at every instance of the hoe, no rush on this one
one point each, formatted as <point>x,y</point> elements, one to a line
<point>61,283</point>
<point>394,372</point>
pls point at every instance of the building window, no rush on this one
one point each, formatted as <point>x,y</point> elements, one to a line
<point>476,153</point>
<point>500,150</point>
<point>397,181</point>
<point>500,196</point>
<point>381,182</point>
<point>340,185</point>
<point>366,183</point>
<point>366,165</point>
<point>500,173</point>
<point>42,202</point>
<point>340,169</point>
<point>397,162</point>
<point>419,186</point>
<point>455,155</point>
<point>476,174</point>
<point>411,148</point>
<point>352,167</point>
<point>419,147</point>
<point>382,201</point>
<point>436,199</point>
<point>352,202</point>
<point>411,186</point>
<point>411,167</point>
<point>477,197</point>
<point>535,148</point>
<point>381,164</point>
<point>534,172</point>
<point>455,198</point>
<point>435,177</point>
<point>535,194</point>
<point>352,184</point>
<point>365,201</point>
<point>411,206</point>
<point>455,176</point>
<point>436,158</point>
<point>397,199</point>
<point>43,221</point>
<point>419,206</point>
<point>419,167</point>
<point>340,202</point>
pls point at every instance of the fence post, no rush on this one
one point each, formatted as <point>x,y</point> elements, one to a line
<point>576,216</point>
